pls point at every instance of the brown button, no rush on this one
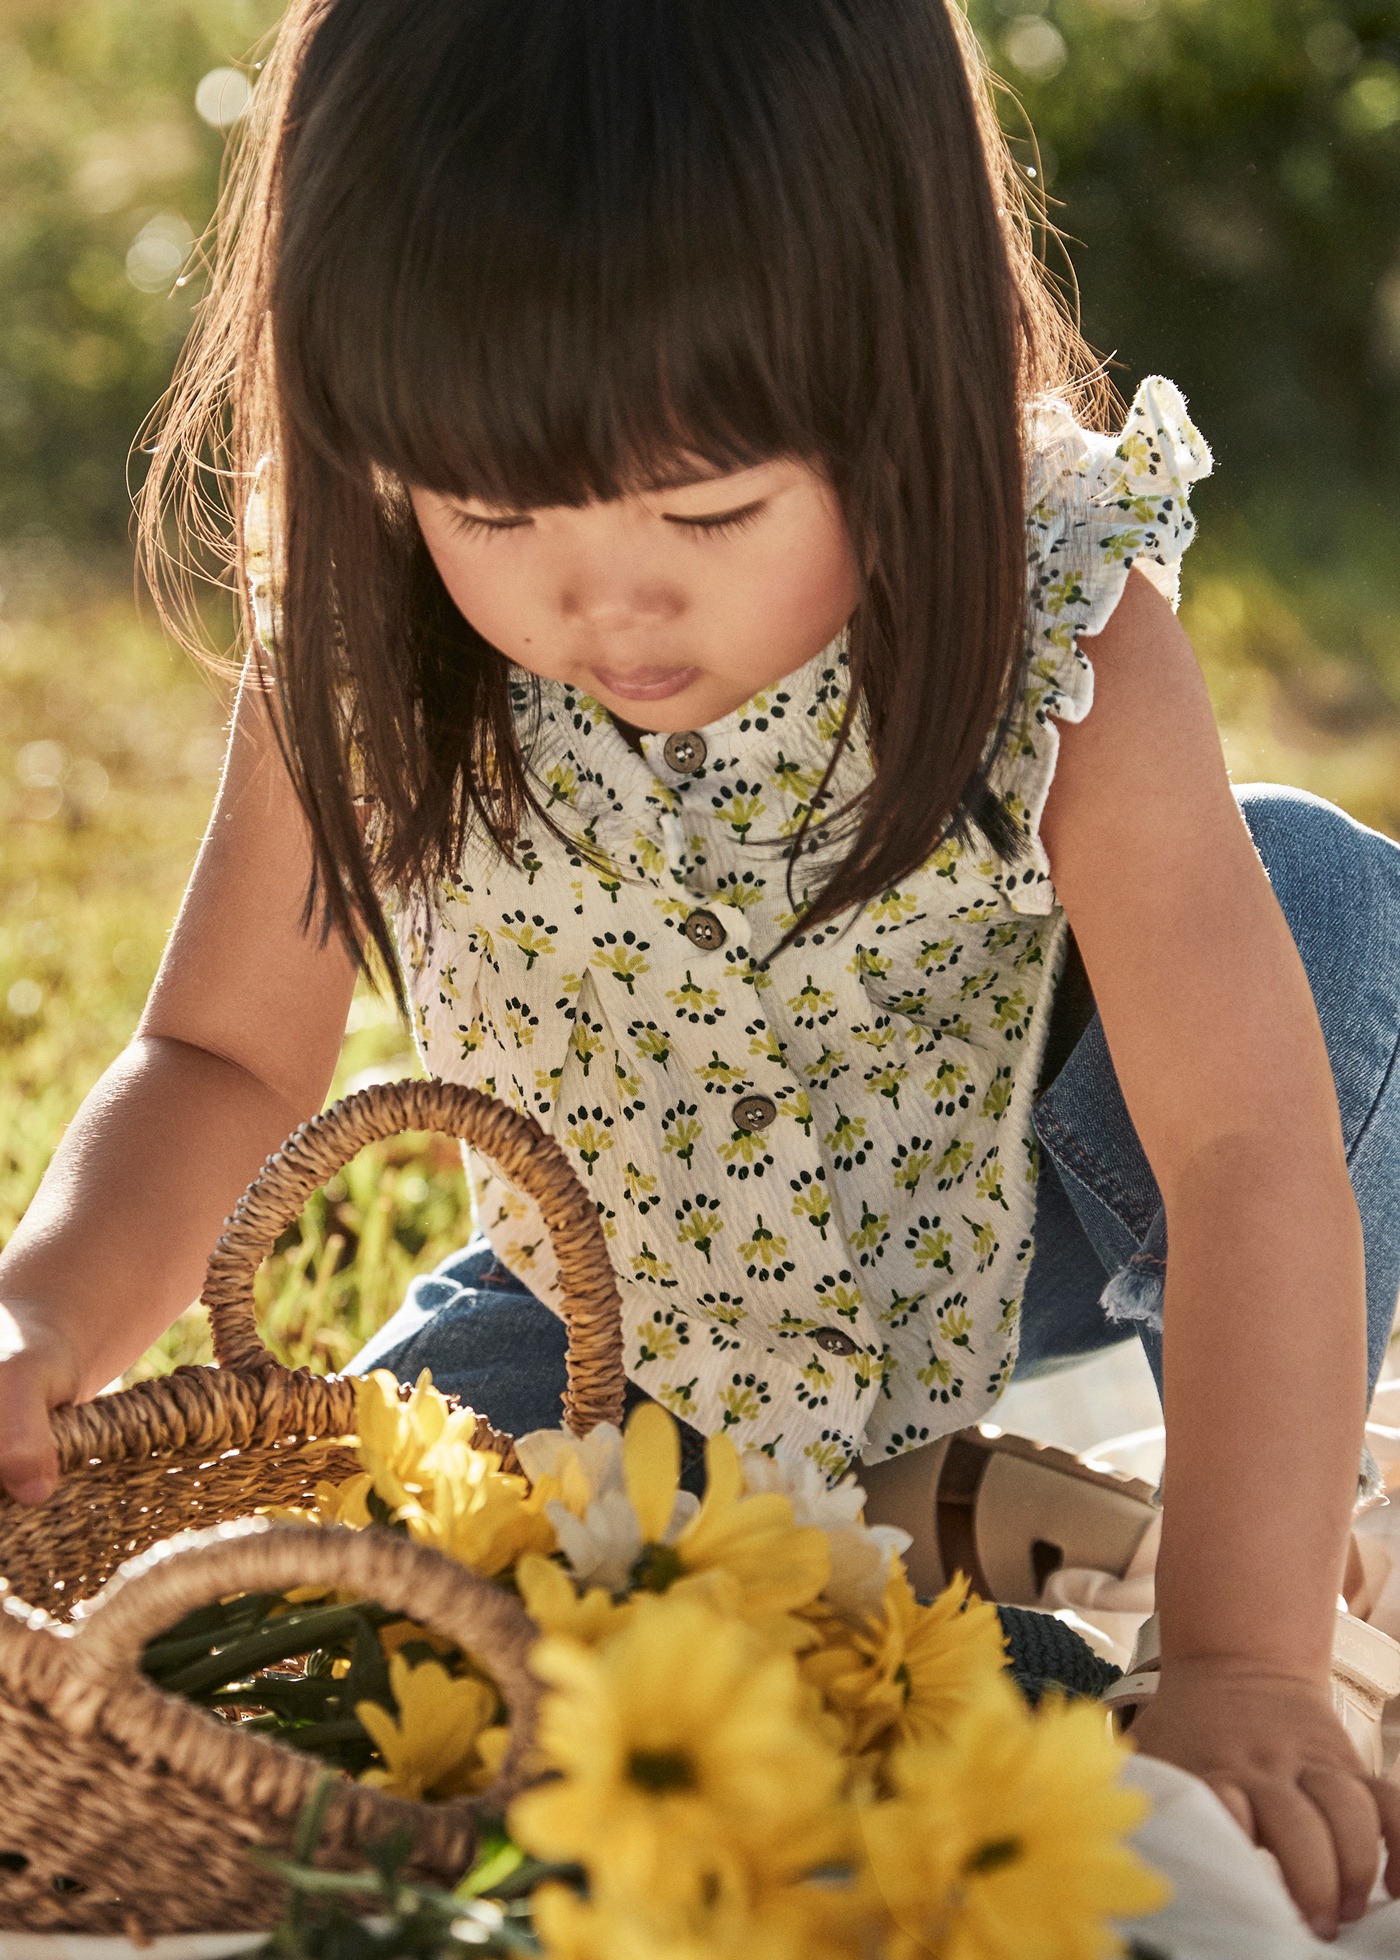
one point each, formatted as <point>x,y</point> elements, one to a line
<point>685,750</point>
<point>755,1112</point>
<point>834,1341</point>
<point>704,930</point>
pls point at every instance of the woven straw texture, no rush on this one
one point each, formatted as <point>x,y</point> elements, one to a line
<point>125,1809</point>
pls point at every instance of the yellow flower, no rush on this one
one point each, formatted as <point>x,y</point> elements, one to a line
<point>1004,1841</point>
<point>474,1513</point>
<point>775,1566</point>
<point>396,1437</point>
<point>584,1484</point>
<point>623,1520</point>
<point>420,1465</point>
<point>689,1769</point>
<point>555,1605</point>
<point>909,1675</point>
<point>399,1633</point>
<point>446,1741</point>
<point>788,1923</point>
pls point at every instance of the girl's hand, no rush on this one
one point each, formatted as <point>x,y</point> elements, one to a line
<point>38,1370</point>
<point>1271,1748</point>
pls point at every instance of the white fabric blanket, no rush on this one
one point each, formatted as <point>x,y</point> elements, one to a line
<point>1229,1901</point>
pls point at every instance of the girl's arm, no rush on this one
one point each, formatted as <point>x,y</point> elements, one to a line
<point>236,1047</point>
<point>1221,1059</point>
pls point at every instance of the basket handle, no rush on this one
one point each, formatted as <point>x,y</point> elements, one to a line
<point>519,1149</point>
<point>154,1591</point>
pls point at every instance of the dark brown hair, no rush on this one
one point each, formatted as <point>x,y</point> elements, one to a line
<point>532,250</point>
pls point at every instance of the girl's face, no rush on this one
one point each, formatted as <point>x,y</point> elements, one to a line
<point>669,606</point>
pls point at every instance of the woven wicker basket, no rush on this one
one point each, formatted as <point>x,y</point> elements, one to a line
<point>122,1808</point>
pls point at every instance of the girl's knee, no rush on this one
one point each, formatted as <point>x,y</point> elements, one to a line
<point>1324,866</point>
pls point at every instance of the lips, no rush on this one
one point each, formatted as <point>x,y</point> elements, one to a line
<point>645,683</point>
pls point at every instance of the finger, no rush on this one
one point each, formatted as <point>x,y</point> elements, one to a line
<point>1353,1818</point>
<point>1387,1796</point>
<point>28,1459</point>
<point>1291,1826</point>
<point>1237,1803</point>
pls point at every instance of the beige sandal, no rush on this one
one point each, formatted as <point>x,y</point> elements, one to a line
<point>1365,1676</point>
<point>1006,1512</point>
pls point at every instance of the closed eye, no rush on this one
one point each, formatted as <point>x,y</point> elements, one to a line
<point>725,523</point>
<point>470,526</point>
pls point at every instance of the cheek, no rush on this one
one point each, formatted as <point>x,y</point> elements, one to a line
<point>487,590</point>
<point>816,576</point>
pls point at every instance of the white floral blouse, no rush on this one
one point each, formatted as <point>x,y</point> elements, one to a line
<point>816,1175</point>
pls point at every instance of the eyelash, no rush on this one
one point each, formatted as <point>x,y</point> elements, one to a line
<point>467,525</point>
<point>719,527</point>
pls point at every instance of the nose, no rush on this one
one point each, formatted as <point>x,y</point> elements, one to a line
<point>616,597</point>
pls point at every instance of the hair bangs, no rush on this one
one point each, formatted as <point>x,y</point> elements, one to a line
<point>574,265</point>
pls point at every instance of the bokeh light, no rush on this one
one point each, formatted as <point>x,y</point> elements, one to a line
<point>223,96</point>
<point>24,999</point>
<point>158,253</point>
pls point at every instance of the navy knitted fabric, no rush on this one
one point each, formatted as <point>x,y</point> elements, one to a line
<point>1043,1653</point>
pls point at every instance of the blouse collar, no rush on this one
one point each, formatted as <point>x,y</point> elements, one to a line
<point>775,746</point>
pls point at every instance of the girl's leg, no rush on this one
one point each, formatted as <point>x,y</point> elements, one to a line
<point>1339,886</point>
<point>487,1340</point>
<point>485,1337</point>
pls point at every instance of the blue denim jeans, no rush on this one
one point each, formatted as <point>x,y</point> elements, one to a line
<point>1099,1266</point>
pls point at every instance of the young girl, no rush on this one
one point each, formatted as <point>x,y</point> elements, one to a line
<point>682,595</point>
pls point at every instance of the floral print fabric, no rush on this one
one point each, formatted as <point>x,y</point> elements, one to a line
<point>816,1173</point>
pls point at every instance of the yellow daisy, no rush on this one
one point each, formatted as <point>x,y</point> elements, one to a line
<point>469,1509</point>
<point>908,1675</point>
<point>396,1437</point>
<point>776,1566</point>
<point>556,1606</point>
<point>786,1923</point>
<point>1005,1839</point>
<point>343,1503</point>
<point>447,1740</point>
<point>687,1765</point>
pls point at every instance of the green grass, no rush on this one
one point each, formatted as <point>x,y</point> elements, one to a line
<point>109,752</point>
<point>109,747</point>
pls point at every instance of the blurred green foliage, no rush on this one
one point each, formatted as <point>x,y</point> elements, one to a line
<point>108,171</point>
<point>1227,173</point>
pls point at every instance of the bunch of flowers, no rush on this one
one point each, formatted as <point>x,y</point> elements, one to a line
<point>756,1743</point>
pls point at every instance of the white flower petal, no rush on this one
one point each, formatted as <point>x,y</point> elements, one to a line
<point>603,1545</point>
<point>893,1537</point>
<point>813,1500</point>
<point>548,1452</point>
<point>686,1506</point>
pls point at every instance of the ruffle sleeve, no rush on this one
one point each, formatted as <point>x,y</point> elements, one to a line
<point>260,557</point>
<point>1096,506</point>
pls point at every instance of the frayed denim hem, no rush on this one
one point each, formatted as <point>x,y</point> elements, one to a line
<point>1135,1295</point>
